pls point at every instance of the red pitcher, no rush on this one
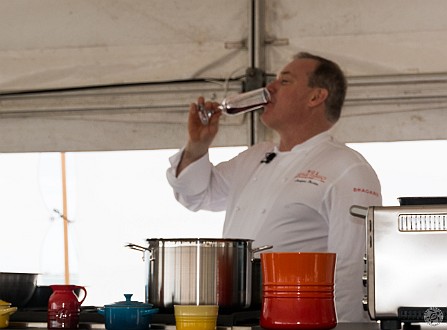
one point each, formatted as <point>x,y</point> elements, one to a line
<point>64,307</point>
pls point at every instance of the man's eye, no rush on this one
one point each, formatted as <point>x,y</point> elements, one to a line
<point>284,81</point>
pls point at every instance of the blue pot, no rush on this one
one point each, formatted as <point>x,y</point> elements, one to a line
<point>127,315</point>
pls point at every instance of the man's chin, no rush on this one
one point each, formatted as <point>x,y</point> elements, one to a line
<point>264,118</point>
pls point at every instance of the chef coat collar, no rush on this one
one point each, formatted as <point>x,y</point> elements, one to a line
<point>310,143</point>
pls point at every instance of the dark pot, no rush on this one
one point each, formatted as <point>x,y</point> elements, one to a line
<point>422,200</point>
<point>40,297</point>
<point>17,288</point>
<point>256,284</point>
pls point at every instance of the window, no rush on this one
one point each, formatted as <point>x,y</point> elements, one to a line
<point>113,198</point>
<point>413,168</point>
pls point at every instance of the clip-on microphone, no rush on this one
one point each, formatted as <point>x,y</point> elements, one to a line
<point>269,156</point>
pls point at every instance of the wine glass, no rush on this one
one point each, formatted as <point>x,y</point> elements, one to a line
<point>237,104</point>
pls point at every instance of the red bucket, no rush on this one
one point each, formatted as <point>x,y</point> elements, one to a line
<point>298,290</point>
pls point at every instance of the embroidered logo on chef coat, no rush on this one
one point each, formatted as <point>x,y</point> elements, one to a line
<point>365,191</point>
<point>311,176</point>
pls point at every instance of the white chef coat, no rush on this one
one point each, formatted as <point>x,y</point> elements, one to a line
<point>299,201</point>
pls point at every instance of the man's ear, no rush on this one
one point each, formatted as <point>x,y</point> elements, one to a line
<point>318,96</point>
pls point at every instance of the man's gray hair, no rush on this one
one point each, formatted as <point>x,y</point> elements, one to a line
<point>329,76</point>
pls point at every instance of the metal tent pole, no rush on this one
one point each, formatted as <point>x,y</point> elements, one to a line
<point>255,73</point>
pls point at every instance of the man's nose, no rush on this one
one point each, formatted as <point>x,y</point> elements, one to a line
<point>271,86</point>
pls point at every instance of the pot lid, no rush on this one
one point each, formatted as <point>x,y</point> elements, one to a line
<point>129,303</point>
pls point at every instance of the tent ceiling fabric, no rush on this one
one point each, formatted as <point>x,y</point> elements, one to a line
<point>71,43</point>
<point>67,43</point>
<point>60,44</point>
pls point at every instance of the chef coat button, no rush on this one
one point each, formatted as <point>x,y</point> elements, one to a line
<point>255,178</point>
<point>238,208</point>
<point>263,211</point>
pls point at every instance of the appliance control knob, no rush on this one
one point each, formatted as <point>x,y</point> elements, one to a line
<point>365,303</point>
<point>365,279</point>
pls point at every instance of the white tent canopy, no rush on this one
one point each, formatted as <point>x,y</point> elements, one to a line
<point>117,75</point>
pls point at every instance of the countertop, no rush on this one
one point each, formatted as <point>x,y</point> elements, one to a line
<point>248,320</point>
<point>88,326</point>
<point>340,326</point>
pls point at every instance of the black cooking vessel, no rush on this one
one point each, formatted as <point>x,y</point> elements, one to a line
<point>17,288</point>
<point>256,284</point>
<point>436,200</point>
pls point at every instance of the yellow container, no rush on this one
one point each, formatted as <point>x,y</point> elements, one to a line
<point>192,317</point>
<point>5,311</point>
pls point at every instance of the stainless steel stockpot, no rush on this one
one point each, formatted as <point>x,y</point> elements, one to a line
<point>199,271</point>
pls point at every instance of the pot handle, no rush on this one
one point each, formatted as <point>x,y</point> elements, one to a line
<point>8,311</point>
<point>259,249</point>
<point>83,289</point>
<point>136,247</point>
<point>140,248</point>
<point>358,211</point>
<point>149,312</point>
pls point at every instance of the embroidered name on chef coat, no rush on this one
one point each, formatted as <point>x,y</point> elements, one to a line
<point>311,176</point>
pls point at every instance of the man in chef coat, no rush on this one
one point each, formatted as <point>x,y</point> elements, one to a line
<point>294,195</point>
